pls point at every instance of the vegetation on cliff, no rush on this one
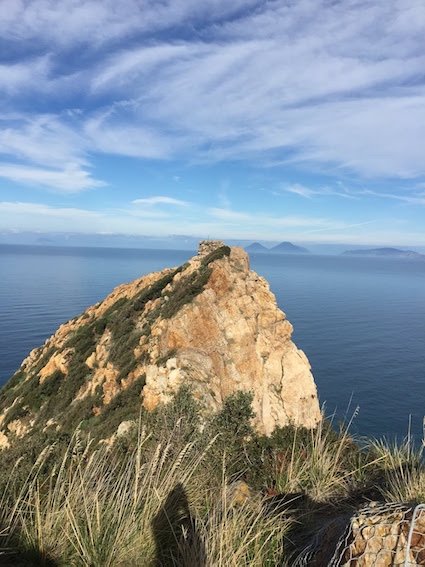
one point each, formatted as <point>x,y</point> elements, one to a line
<point>172,490</point>
<point>33,400</point>
<point>211,323</point>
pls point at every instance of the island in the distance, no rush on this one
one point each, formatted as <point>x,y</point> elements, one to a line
<point>282,248</point>
<point>256,247</point>
<point>387,252</point>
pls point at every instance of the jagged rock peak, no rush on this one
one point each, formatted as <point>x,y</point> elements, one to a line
<point>212,324</point>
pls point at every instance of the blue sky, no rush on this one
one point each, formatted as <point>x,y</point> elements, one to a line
<point>266,120</point>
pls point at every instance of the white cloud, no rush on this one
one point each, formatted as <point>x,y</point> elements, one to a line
<point>309,193</point>
<point>122,69</point>
<point>412,199</point>
<point>44,218</point>
<point>90,21</point>
<point>270,82</point>
<point>72,179</point>
<point>300,190</point>
<point>41,217</point>
<point>38,208</point>
<point>259,221</point>
<point>46,140</point>
<point>308,91</point>
<point>161,200</point>
<point>52,153</point>
<point>15,78</point>
<point>115,133</point>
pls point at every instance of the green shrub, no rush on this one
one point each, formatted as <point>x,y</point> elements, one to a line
<point>14,381</point>
<point>216,254</point>
<point>185,291</point>
<point>192,285</point>
<point>83,340</point>
<point>233,428</point>
<point>121,319</point>
<point>126,405</point>
<point>181,414</point>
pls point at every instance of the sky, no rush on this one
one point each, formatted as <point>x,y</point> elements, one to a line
<point>299,120</point>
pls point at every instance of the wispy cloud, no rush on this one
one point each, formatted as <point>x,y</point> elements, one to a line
<point>43,139</point>
<point>28,208</point>
<point>405,195</point>
<point>161,200</point>
<point>309,193</point>
<point>38,216</point>
<point>15,77</point>
<point>45,218</point>
<point>119,131</point>
<point>339,226</point>
<point>72,179</point>
<point>412,199</point>
<point>71,22</point>
<point>308,90</point>
<point>256,220</point>
<point>51,153</point>
<point>257,80</point>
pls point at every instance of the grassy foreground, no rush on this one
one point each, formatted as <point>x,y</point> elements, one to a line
<point>175,491</point>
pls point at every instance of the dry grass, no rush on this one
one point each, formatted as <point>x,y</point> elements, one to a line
<point>318,466</point>
<point>163,502</point>
<point>92,510</point>
<point>98,511</point>
<point>236,531</point>
<point>402,469</point>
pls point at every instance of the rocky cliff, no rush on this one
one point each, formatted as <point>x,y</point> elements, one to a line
<point>212,324</point>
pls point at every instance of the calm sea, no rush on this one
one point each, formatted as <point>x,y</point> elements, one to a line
<point>361,321</point>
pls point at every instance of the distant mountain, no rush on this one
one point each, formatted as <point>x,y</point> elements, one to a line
<point>256,247</point>
<point>390,252</point>
<point>288,248</point>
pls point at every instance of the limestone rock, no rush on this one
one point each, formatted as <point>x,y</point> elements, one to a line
<point>57,362</point>
<point>212,324</point>
<point>4,441</point>
<point>234,337</point>
<point>238,493</point>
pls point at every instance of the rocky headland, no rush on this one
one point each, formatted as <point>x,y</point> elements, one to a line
<point>177,424</point>
<point>212,324</point>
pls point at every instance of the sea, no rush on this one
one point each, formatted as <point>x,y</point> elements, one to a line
<point>360,320</point>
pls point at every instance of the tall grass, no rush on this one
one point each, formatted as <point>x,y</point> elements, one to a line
<point>96,510</point>
<point>402,468</point>
<point>236,531</point>
<point>244,536</point>
<point>321,465</point>
<point>166,498</point>
<point>93,509</point>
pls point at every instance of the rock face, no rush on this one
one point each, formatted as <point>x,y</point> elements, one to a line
<point>212,324</point>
